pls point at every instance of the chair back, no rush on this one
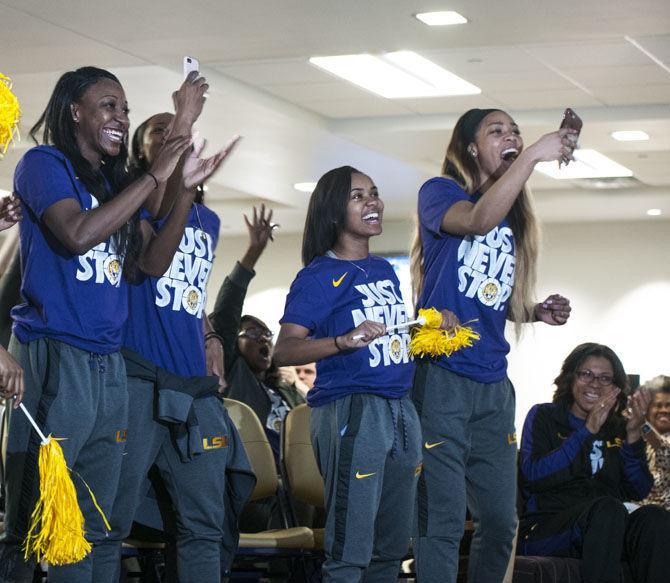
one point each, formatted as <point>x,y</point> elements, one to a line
<point>302,472</point>
<point>257,446</point>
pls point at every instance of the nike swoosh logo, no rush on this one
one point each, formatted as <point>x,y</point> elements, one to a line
<point>361,476</point>
<point>337,282</point>
<point>432,445</point>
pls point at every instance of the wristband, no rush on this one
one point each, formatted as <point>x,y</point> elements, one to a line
<point>211,335</point>
<point>155,180</point>
<point>336,344</point>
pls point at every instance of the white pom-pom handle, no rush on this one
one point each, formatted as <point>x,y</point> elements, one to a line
<point>420,321</point>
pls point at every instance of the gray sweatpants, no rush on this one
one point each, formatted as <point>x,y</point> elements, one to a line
<point>369,454</point>
<point>196,488</point>
<point>469,454</point>
<point>81,397</point>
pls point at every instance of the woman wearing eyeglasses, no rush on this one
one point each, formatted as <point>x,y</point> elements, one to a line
<point>581,459</point>
<point>250,374</point>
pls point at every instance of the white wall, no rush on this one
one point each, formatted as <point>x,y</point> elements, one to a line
<point>617,276</point>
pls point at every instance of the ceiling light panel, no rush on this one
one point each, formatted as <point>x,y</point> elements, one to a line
<point>307,187</point>
<point>587,164</point>
<point>630,136</point>
<point>443,18</point>
<point>396,75</point>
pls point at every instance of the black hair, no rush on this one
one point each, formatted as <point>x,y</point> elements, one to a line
<point>59,130</point>
<point>327,212</point>
<point>563,395</point>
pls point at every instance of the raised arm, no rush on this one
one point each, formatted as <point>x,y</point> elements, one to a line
<point>467,218</point>
<point>81,230</point>
<point>227,313</point>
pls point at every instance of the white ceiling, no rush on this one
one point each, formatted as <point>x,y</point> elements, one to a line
<point>530,57</point>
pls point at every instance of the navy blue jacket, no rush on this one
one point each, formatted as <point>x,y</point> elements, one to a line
<point>564,464</point>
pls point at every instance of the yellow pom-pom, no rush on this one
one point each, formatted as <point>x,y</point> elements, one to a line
<point>435,342</point>
<point>10,112</point>
<point>56,532</point>
<point>432,316</point>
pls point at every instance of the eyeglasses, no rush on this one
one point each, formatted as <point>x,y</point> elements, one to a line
<point>586,376</point>
<point>257,334</point>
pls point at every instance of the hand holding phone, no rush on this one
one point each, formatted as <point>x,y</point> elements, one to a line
<point>190,64</point>
<point>571,121</point>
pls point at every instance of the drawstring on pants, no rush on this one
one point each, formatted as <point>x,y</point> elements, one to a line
<point>399,419</point>
<point>96,361</point>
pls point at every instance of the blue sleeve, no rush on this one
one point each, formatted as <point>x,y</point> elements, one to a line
<point>637,478</point>
<point>306,304</point>
<point>543,465</point>
<point>435,198</point>
<point>42,179</point>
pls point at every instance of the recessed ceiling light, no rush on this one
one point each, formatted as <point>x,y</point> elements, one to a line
<point>305,186</point>
<point>587,164</point>
<point>654,212</point>
<point>630,136</point>
<point>442,18</point>
<point>396,75</point>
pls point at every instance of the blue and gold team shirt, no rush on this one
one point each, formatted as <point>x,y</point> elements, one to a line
<point>165,323</point>
<point>472,276</point>
<point>78,299</point>
<point>332,296</point>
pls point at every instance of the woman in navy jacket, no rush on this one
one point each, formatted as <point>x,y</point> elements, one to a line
<point>581,459</point>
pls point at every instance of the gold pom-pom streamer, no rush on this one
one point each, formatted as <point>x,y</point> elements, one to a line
<point>56,532</point>
<point>430,340</point>
<point>10,112</point>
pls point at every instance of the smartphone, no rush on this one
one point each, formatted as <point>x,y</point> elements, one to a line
<point>190,64</point>
<point>573,122</point>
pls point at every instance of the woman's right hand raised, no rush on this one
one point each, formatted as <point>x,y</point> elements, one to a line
<point>361,336</point>
<point>554,146</point>
<point>168,156</point>
<point>188,101</point>
<point>600,411</point>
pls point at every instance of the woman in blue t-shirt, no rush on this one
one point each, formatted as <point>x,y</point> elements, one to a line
<point>365,431</point>
<point>78,226</point>
<point>475,253</point>
<point>165,331</point>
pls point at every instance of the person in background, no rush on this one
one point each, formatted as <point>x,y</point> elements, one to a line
<point>11,373</point>
<point>581,459</point>
<point>475,253</point>
<point>307,373</point>
<point>301,378</point>
<point>656,432</point>
<point>250,373</point>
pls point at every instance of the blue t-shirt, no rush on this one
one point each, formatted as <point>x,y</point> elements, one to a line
<point>165,323</point>
<point>78,299</point>
<point>332,296</point>
<point>472,276</point>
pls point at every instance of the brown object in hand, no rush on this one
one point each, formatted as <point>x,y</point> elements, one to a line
<point>573,122</point>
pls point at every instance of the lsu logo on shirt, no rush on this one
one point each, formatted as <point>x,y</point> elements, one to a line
<point>182,286</point>
<point>102,263</point>
<point>487,267</point>
<point>382,303</point>
<point>215,442</point>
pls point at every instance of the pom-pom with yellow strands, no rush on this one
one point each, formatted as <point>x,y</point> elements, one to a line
<point>10,112</point>
<point>56,532</point>
<point>430,340</point>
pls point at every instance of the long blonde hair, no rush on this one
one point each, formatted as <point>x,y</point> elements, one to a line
<point>461,167</point>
